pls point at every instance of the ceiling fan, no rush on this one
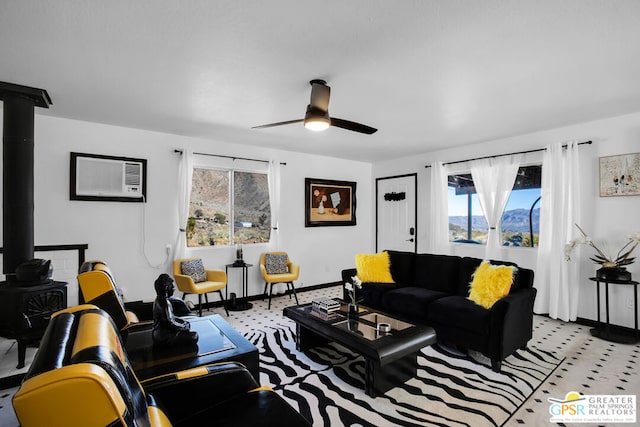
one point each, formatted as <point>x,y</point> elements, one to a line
<point>317,116</point>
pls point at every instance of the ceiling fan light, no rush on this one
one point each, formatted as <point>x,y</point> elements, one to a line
<point>316,124</point>
<point>316,119</point>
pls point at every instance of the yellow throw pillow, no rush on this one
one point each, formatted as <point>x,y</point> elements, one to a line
<point>374,267</point>
<point>490,283</point>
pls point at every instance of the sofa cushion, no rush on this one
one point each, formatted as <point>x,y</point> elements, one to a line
<point>460,313</point>
<point>374,267</point>
<point>371,293</point>
<point>467,266</point>
<point>437,272</point>
<point>490,283</point>
<point>524,279</point>
<point>410,302</point>
<point>403,267</point>
<point>195,269</point>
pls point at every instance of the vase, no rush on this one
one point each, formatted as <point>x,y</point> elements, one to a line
<point>321,208</point>
<point>353,310</point>
<point>613,273</point>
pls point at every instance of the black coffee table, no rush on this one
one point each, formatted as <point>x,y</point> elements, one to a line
<point>390,358</point>
<point>217,342</point>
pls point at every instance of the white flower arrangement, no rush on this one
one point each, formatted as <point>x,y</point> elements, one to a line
<point>622,258</point>
<point>352,287</point>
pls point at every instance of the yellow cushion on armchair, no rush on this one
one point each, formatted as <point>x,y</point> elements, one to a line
<point>192,278</point>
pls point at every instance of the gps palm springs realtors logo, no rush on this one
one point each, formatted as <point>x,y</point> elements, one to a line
<point>578,408</point>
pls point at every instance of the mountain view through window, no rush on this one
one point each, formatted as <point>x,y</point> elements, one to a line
<point>228,207</point>
<point>520,223</point>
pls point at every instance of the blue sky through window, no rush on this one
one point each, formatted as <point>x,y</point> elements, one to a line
<point>458,204</point>
<point>523,199</point>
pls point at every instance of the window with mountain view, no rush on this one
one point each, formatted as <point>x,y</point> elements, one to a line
<point>520,223</point>
<point>228,207</point>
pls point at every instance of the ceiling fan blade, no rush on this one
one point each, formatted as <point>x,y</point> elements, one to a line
<point>320,94</point>
<point>349,125</point>
<point>270,125</point>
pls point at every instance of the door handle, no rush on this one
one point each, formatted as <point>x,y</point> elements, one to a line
<point>410,240</point>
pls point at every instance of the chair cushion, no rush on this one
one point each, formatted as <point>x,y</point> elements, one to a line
<point>374,267</point>
<point>490,283</point>
<point>276,264</point>
<point>195,269</point>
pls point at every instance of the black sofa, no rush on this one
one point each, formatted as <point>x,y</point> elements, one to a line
<point>432,289</point>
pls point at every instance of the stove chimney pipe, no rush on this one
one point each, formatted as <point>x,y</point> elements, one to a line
<point>17,170</point>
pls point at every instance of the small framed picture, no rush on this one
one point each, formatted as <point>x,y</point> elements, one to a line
<point>329,203</point>
<point>620,175</point>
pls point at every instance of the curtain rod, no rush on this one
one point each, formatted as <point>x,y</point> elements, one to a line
<point>506,154</point>
<point>229,157</point>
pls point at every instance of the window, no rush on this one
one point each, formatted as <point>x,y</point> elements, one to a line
<point>227,207</point>
<point>521,217</point>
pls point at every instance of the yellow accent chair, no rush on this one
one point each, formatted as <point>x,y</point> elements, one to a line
<point>192,278</point>
<point>81,376</point>
<point>276,267</point>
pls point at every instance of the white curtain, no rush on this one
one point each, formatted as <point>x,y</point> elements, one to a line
<point>274,200</point>
<point>493,179</point>
<point>439,225</point>
<point>556,279</point>
<point>185,179</point>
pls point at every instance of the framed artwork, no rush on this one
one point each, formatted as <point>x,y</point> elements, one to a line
<point>620,175</point>
<point>329,203</point>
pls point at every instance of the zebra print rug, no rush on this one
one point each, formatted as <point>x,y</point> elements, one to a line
<point>326,384</point>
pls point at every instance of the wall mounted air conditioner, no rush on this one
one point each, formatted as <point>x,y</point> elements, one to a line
<point>97,177</point>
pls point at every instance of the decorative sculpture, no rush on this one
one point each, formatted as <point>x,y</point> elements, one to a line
<point>168,330</point>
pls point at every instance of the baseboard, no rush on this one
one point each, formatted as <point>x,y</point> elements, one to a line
<point>615,333</point>
<point>586,322</point>
<point>594,323</point>
<point>215,304</point>
<point>11,381</point>
<point>625,330</point>
<point>320,286</point>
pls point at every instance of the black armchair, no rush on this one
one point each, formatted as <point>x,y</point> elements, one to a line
<point>81,376</point>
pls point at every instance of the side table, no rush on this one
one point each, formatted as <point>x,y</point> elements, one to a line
<point>606,333</point>
<point>240,304</point>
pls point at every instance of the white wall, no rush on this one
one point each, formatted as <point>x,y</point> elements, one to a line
<point>114,231</point>
<point>608,219</point>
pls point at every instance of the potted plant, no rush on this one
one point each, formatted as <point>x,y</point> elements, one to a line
<point>351,291</point>
<point>611,267</point>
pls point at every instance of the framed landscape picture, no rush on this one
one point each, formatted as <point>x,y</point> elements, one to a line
<point>329,203</point>
<point>620,175</point>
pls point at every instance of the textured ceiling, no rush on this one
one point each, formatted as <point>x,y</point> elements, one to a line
<point>427,74</point>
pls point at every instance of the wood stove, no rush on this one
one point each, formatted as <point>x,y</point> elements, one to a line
<point>25,311</point>
<point>25,304</point>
